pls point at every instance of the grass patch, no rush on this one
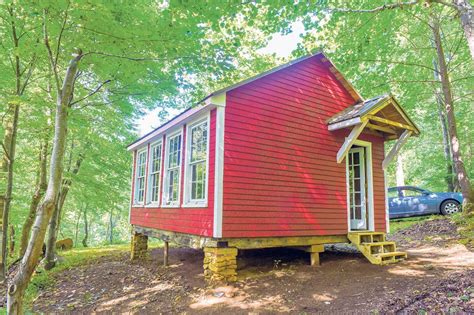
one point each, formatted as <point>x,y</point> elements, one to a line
<point>72,259</point>
<point>465,228</point>
<point>404,223</point>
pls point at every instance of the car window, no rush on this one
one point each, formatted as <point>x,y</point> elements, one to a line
<point>411,192</point>
<point>393,193</point>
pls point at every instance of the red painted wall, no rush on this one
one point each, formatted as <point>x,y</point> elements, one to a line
<point>280,172</point>
<point>198,221</point>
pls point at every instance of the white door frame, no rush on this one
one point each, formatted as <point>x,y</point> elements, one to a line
<point>370,187</point>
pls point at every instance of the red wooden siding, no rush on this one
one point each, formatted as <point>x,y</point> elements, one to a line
<point>198,221</point>
<point>280,172</point>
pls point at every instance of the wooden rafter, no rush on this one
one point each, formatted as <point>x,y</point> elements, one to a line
<point>381,128</point>
<point>396,148</point>
<point>390,122</point>
<point>346,146</point>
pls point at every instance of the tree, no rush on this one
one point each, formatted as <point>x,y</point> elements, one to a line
<point>463,8</point>
<point>108,75</point>
<point>390,50</point>
<point>462,176</point>
<point>22,73</point>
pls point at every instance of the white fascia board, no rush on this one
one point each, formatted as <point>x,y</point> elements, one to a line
<point>182,119</point>
<point>344,124</point>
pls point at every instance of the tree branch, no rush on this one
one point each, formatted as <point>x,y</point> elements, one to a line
<point>53,67</point>
<point>61,33</point>
<point>90,94</point>
<point>5,151</point>
<point>131,58</point>
<point>394,62</point>
<point>384,7</point>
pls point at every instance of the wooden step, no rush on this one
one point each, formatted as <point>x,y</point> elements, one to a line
<point>380,247</point>
<point>390,258</point>
<point>375,248</point>
<point>366,237</point>
<point>391,254</point>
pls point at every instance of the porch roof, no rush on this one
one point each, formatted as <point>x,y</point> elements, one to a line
<point>381,115</point>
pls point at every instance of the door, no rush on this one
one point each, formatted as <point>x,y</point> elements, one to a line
<point>357,189</point>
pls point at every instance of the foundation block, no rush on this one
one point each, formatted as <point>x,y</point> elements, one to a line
<point>220,264</point>
<point>139,246</point>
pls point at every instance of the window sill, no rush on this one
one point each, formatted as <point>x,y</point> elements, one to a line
<point>195,205</point>
<point>138,205</point>
<point>170,206</point>
<point>153,205</point>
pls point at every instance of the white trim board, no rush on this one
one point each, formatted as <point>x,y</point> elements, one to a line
<point>183,118</point>
<point>370,186</point>
<point>219,172</point>
<point>170,135</point>
<point>186,202</point>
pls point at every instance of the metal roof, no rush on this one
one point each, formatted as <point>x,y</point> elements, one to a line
<point>358,109</point>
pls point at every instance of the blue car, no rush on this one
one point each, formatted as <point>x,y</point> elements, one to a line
<point>407,201</point>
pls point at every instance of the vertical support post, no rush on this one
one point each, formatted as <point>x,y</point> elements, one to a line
<point>315,259</point>
<point>220,264</point>
<point>165,253</point>
<point>314,251</point>
<point>139,246</point>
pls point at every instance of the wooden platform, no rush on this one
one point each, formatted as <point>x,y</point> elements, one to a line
<point>195,241</point>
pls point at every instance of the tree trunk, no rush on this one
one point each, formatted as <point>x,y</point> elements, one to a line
<point>450,179</point>
<point>36,198</point>
<point>9,144</point>
<point>111,222</point>
<point>76,232</point>
<point>17,287</point>
<point>86,228</point>
<point>466,14</point>
<point>400,174</point>
<point>11,251</point>
<point>463,179</point>
<point>50,258</point>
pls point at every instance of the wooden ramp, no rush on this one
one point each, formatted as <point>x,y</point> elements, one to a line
<point>375,248</point>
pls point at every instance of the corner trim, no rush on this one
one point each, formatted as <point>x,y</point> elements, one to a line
<point>219,169</point>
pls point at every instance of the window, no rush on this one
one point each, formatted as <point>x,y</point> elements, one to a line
<point>393,193</point>
<point>140,177</point>
<point>154,173</point>
<point>412,192</point>
<point>172,171</point>
<point>196,170</point>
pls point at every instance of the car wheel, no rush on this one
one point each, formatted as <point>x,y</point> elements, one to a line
<point>450,207</point>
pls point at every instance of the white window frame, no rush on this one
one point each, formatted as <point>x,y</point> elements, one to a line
<point>149,202</point>
<point>370,186</point>
<point>135,191</point>
<point>176,203</point>
<point>188,202</point>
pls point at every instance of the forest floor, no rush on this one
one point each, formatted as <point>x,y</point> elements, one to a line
<point>437,277</point>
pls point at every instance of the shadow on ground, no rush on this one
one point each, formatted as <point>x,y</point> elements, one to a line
<point>434,278</point>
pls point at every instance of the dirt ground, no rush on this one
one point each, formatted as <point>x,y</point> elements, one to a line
<point>437,277</point>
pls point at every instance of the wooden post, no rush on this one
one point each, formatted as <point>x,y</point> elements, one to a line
<point>165,253</point>
<point>314,251</point>
<point>315,259</point>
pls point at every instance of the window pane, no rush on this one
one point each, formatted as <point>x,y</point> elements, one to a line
<point>198,162</point>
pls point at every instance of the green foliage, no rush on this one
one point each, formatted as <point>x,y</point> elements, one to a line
<point>391,52</point>
<point>137,56</point>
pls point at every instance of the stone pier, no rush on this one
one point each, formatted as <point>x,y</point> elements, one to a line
<point>139,246</point>
<point>220,264</point>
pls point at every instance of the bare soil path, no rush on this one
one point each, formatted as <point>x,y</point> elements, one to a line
<point>437,277</point>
